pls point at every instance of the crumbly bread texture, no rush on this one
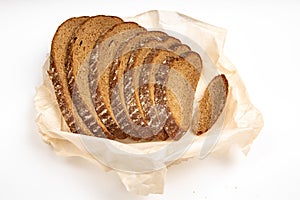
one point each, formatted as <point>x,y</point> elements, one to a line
<point>211,105</point>
<point>116,80</point>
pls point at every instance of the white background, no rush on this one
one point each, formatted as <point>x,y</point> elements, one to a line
<point>263,43</point>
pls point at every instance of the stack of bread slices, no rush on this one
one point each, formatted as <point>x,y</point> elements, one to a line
<point>117,80</point>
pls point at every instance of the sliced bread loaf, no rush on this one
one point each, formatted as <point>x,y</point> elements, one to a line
<point>211,105</point>
<point>115,79</point>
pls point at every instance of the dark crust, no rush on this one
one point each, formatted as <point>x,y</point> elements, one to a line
<point>83,111</point>
<point>64,107</point>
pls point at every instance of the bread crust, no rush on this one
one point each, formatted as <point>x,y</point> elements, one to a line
<point>115,79</point>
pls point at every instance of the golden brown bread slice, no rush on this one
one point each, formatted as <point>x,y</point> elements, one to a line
<point>211,105</point>
<point>58,76</point>
<point>103,58</point>
<point>81,47</point>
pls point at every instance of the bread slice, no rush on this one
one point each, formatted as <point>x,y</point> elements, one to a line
<point>80,49</point>
<point>103,59</point>
<point>211,105</point>
<point>58,76</point>
<point>174,86</point>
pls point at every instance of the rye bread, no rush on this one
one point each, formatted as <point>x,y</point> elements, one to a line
<point>58,74</point>
<point>171,77</point>
<point>105,55</point>
<point>211,105</point>
<point>80,49</point>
